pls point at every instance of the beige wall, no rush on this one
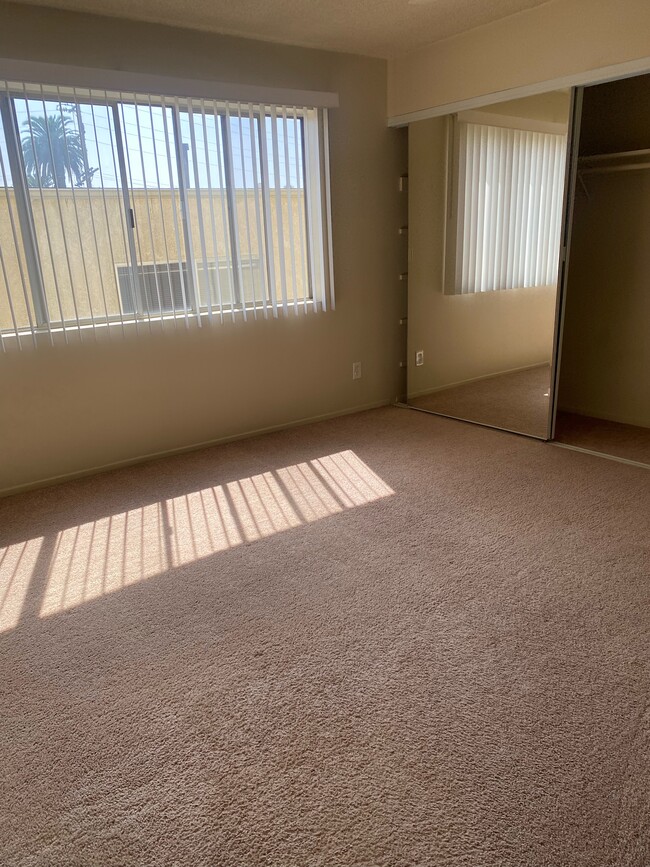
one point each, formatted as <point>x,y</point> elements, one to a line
<point>67,409</point>
<point>562,38</point>
<point>464,337</point>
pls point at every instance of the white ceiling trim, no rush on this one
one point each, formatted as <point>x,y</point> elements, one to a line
<point>158,85</point>
<point>593,76</point>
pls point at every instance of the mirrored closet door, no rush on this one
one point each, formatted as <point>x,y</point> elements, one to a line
<point>486,192</point>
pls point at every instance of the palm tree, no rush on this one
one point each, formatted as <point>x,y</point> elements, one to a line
<point>53,153</point>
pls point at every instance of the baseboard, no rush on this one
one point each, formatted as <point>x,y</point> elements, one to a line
<point>479,379</point>
<point>153,456</point>
<point>596,454</point>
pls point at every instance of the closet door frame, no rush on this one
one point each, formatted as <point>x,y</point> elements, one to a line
<point>571,176</point>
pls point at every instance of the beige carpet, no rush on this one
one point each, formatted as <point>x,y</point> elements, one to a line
<point>608,437</point>
<point>390,639</point>
<point>515,401</point>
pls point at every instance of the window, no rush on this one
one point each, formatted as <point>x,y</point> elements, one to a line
<point>506,212</point>
<point>119,208</point>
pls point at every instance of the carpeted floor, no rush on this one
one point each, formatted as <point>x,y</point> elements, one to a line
<point>607,437</point>
<point>514,401</point>
<point>389,639</point>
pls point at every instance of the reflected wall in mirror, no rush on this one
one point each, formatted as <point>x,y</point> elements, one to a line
<point>485,215</point>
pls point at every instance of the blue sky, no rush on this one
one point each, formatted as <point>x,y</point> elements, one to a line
<point>149,146</point>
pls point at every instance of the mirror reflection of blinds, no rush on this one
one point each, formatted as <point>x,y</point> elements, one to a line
<point>510,188</point>
<point>123,207</point>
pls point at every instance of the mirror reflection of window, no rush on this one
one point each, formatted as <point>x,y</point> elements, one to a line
<point>507,191</point>
<point>486,195</point>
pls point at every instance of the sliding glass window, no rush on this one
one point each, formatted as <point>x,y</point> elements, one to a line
<point>123,208</point>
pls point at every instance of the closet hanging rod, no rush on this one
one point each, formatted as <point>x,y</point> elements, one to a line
<point>620,155</point>
<point>627,167</point>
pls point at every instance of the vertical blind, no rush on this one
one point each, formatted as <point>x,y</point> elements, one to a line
<point>120,208</point>
<point>509,208</point>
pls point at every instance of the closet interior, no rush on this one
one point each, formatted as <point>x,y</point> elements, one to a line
<point>603,385</point>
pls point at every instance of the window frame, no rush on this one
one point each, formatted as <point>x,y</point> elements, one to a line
<point>46,320</point>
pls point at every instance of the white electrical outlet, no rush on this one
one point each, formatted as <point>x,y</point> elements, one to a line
<point>356,370</point>
<point>419,358</point>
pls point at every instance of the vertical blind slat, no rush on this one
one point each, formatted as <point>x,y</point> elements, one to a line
<point>266,199</point>
<point>312,163</point>
<point>119,169</point>
<point>135,242</point>
<point>300,180</point>
<point>226,211</point>
<point>505,175</point>
<point>211,281</point>
<point>289,186</point>
<point>233,214</point>
<point>459,153</point>
<point>327,222</point>
<point>469,261</point>
<point>102,178</point>
<point>145,186</point>
<point>249,240</point>
<point>261,235</point>
<point>188,235</point>
<point>520,197</point>
<point>275,148</point>
<point>556,207</point>
<point>199,210</point>
<point>480,208</point>
<point>182,272</point>
<point>511,254</point>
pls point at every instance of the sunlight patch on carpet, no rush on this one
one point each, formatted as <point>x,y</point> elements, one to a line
<point>99,557</point>
<point>17,564</point>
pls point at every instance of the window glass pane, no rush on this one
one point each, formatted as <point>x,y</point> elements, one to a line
<point>138,206</point>
<point>285,148</point>
<point>202,151</point>
<point>249,206</point>
<point>152,174</point>
<point>290,172</point>
<point>70,161</point>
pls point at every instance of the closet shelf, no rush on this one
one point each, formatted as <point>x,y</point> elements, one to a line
<point>623,161</point>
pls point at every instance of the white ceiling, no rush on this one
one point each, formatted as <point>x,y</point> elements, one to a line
<point>380,28</point>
